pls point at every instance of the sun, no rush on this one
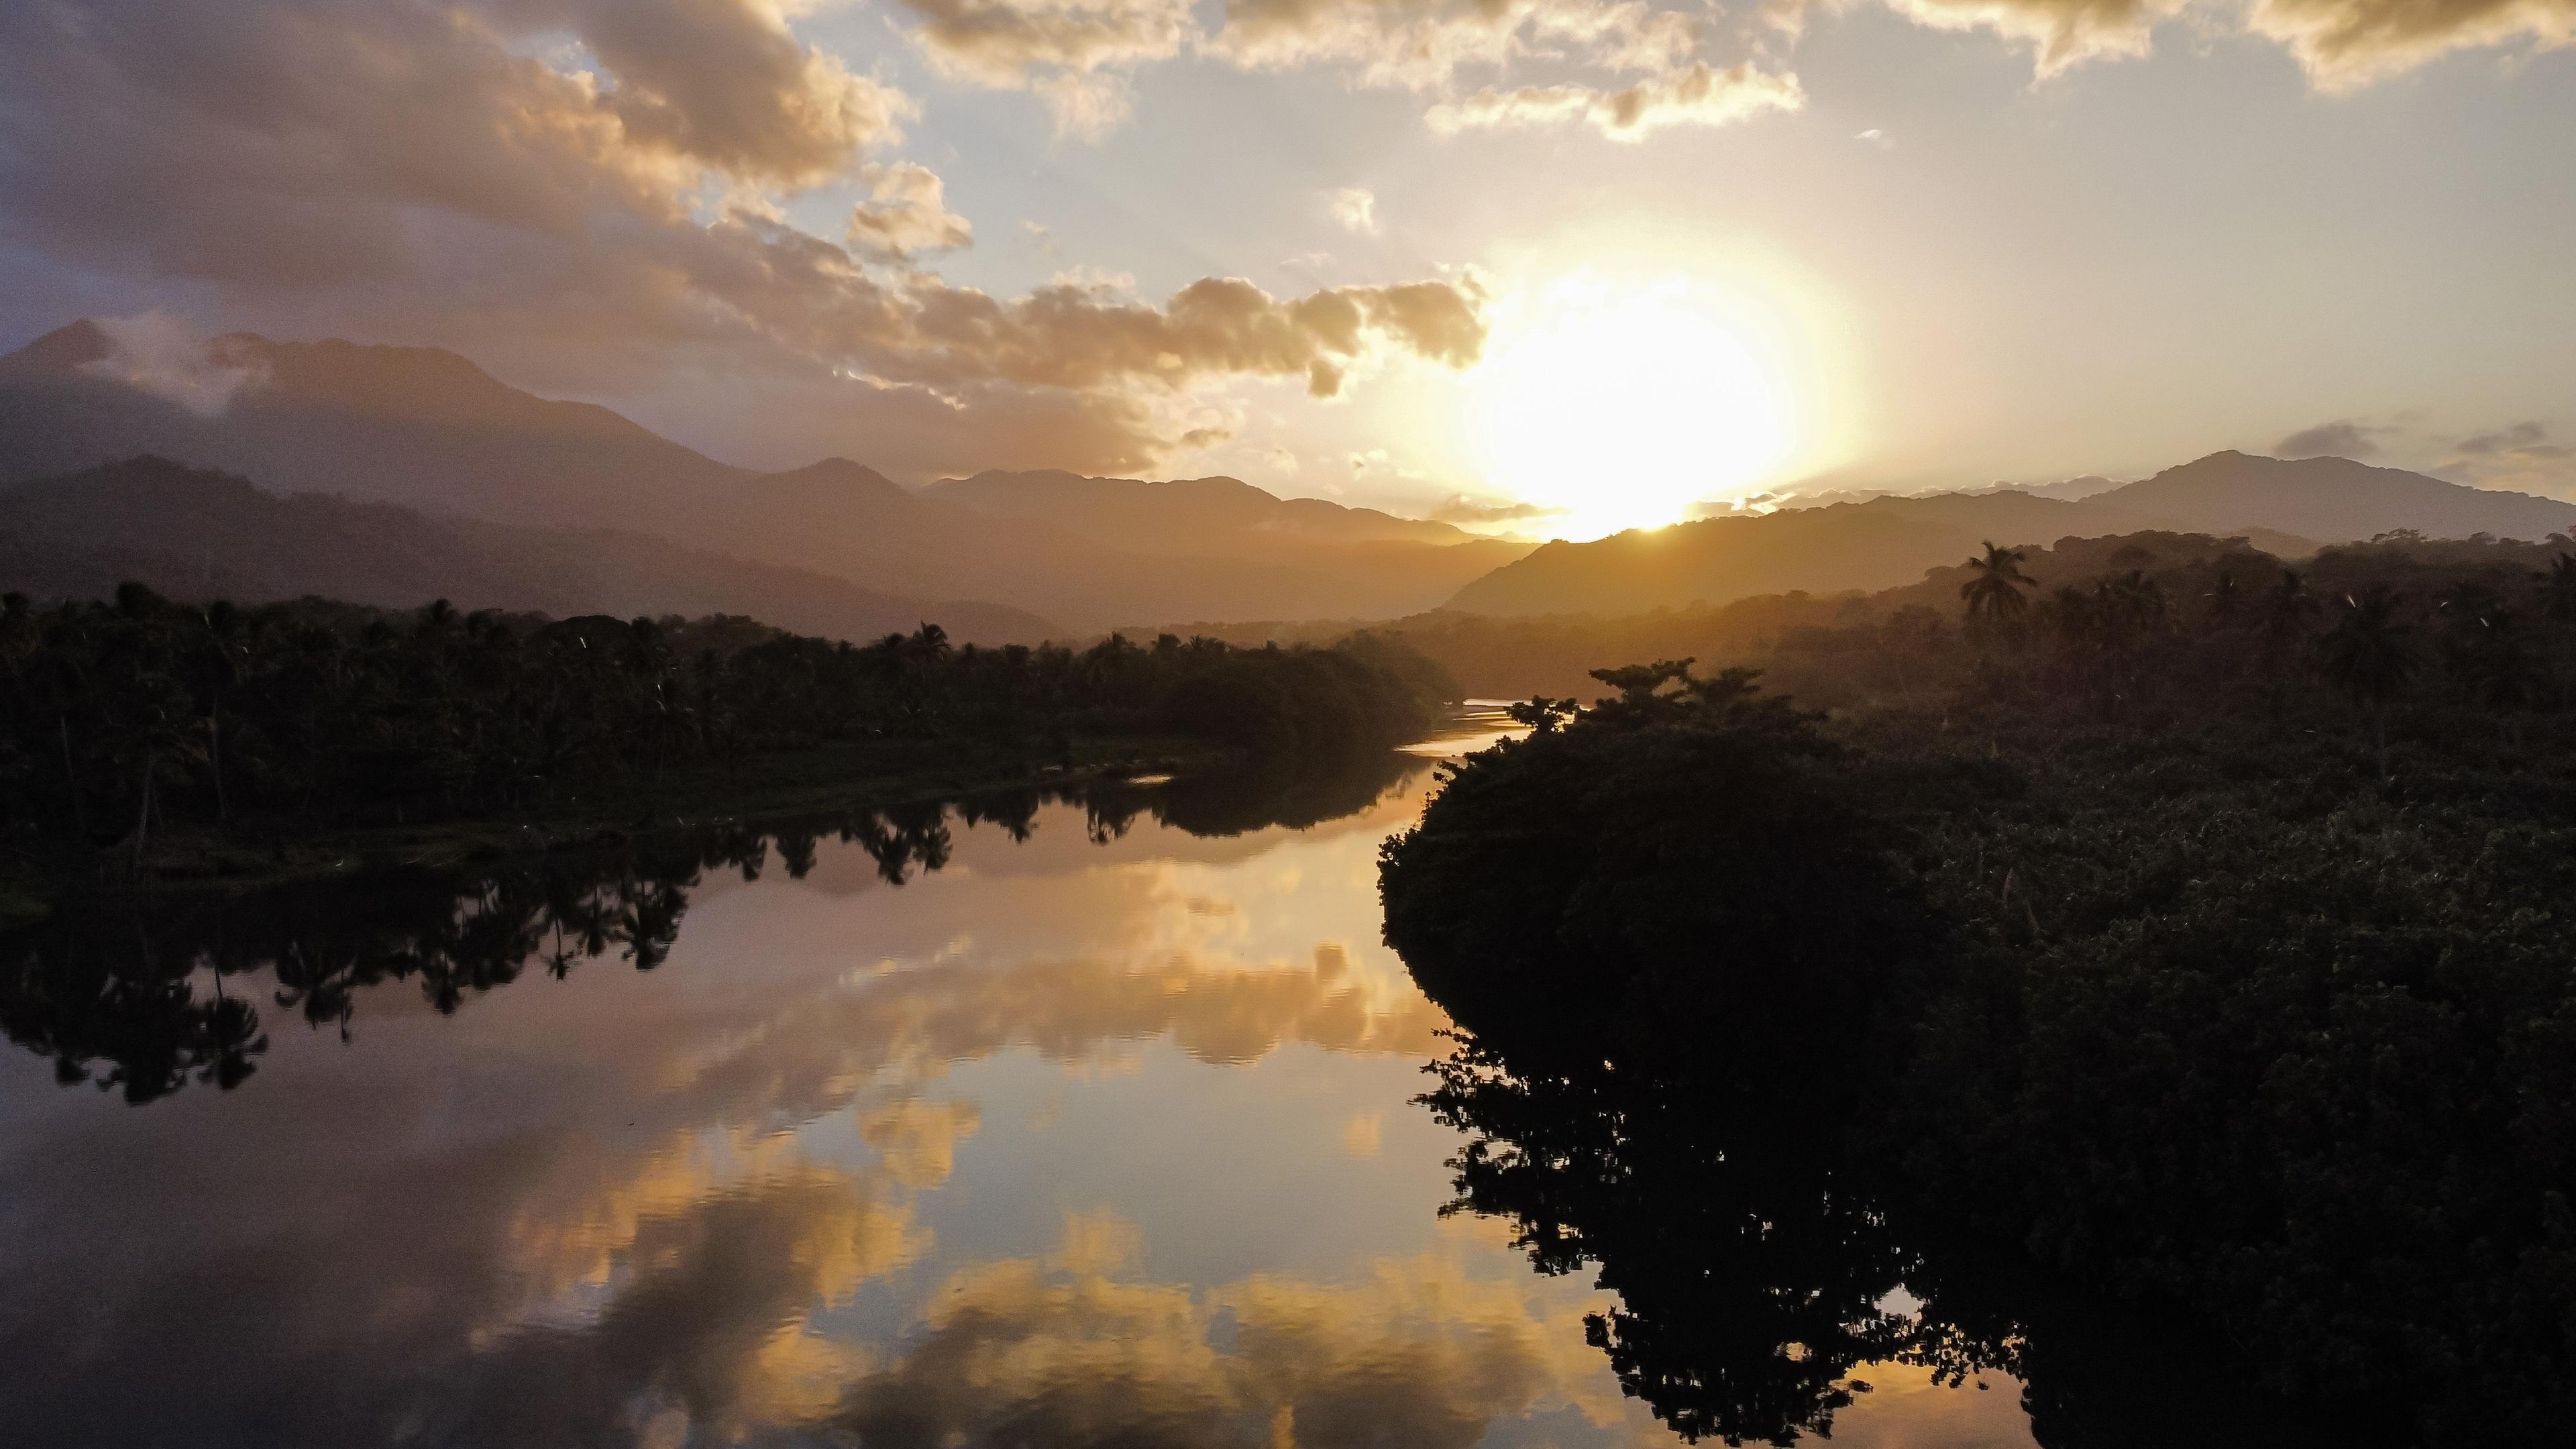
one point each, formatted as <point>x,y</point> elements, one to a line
<point>1622,407</point>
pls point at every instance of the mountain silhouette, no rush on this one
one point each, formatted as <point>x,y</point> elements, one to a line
<point>1874,545</point>
<point>427,429</point>
<point>2333,500</point>
<point>2285,508</point>
<point>1188,514</point>
<point>195,534</point>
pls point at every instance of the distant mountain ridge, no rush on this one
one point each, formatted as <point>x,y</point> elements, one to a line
<point>195,534</point>
<point>1202,513</point>
<point>2287,508</point>
<point>429,430</point>
<point>2334,500</point>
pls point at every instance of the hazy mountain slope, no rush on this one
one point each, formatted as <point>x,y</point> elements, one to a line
<point>2334,500</point>
<point>413,425</point>
<point>196,534</point>
<point>1873,545</point>
<point>2068,489</point>
<point>1184,515</point>
<point>429,430</point>
<point>2284,508</point>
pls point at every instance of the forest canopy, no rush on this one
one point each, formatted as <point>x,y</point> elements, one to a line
<point>2199,926</point>
<point>121,718</point>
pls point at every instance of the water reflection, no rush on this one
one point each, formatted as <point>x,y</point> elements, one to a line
<point>1071,1119</point>
<point>1765,1295</point>
<point>133,997</point>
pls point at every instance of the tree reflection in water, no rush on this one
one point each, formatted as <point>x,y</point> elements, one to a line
<point>133,995</point>
<point>1759,1278</point>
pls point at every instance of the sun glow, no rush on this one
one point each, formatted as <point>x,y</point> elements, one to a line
<point>1622,407</point>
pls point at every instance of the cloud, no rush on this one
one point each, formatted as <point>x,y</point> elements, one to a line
<point>1698,96</point>
<point>724,83</point>
<point>1086,105</point>
<point>1364,1134</point>
<point>1080,55</point>
<point>2347,44</point>
<point>684,1290</point>
<point>1069,1349</point>
<point>2516,456</point>
<point>165,357</point>
<point>906,213</point>
<point>1463,509</point>
<point>2510,438</point>
<point>1876,137</point>
<point>917,1139</point>
<point>2341,439</point>
<point>1355,208</point>
<point>590,197</point>
<point>1004,42</point>
<point>1421,45</point>
<point>298,142</point>
<point>1073,54</point>
<point>2341,44</point>
<point>2061,34</point>
<point>1069,335</point>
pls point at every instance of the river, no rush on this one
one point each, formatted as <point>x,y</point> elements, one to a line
<point>1071,1120</point>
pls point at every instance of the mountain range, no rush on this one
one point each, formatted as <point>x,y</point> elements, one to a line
<point>427,430</point>
<point>395,474</point>
<point>2287,508</point>
<point>199,534</point>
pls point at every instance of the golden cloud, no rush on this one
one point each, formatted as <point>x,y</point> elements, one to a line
<point>917,1139</point>
<point>1067,51</point>
<point>2346,44</point>
<point>2342,44</point>
<point>592,182</point>
<point>906,213</point>
<point>1698,96</point>
<point>724,83</point>
<point>1060,1351</point>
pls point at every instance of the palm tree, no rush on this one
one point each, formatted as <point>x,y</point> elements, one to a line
<point>2487,648</point>
<point>2368,656</point>
<point>1995,582</point>
<point>2226,599</point>
<point>2558,589</point>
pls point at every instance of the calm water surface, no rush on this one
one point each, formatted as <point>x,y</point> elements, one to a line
<point>1092,1130</point>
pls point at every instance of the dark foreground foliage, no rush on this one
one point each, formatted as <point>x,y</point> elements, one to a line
<point>118,720</point>
<point>1763,1280</point>
<point>2217,954</point>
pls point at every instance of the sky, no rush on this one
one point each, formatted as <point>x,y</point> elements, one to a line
<point>1549,265</point>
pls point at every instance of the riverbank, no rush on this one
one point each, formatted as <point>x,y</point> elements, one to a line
<point>853,775</point>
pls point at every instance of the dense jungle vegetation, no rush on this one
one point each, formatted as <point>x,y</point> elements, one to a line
<point>2201,927</point>
<point>1764,1285</point>
<point>122,720</point>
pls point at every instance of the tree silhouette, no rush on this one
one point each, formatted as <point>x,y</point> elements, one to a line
<point>144,714</point>
<point>2558,589</point>
<point>1993,591</point>
<point>2369,656</point>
